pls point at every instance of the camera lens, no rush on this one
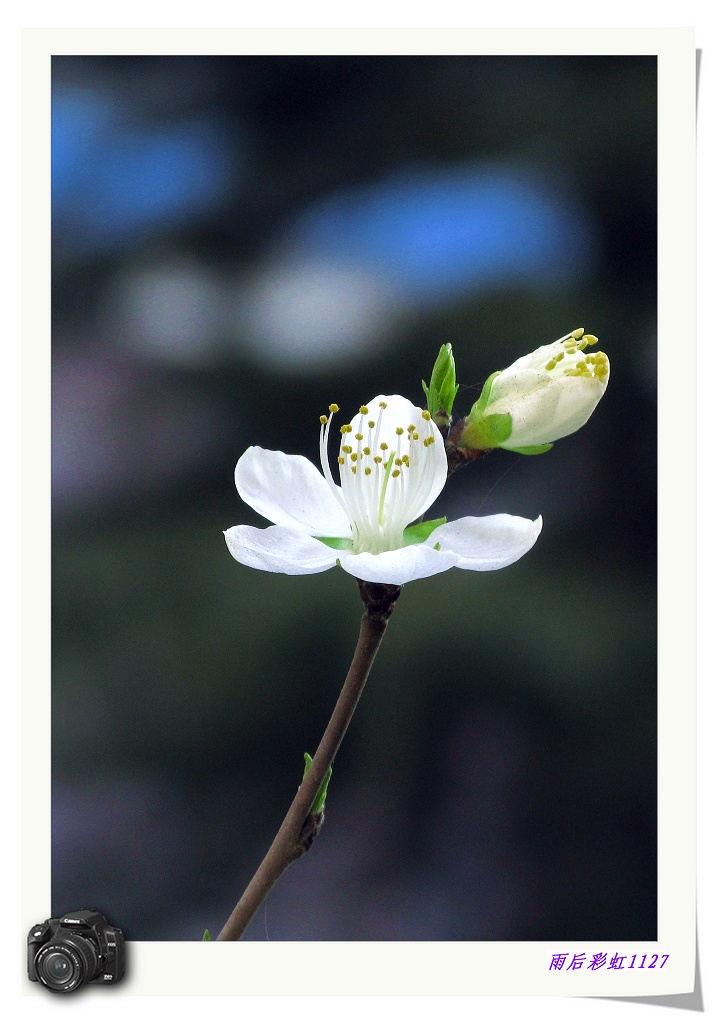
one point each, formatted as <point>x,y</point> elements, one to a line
<point>58,968</point>
<point>64,966</point>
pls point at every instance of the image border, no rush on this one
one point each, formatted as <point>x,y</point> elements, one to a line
<point>389,968</point>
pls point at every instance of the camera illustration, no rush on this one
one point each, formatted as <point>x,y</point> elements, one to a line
<point>80,948</point>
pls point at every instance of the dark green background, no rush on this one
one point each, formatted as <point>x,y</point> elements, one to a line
<point>498,781</point>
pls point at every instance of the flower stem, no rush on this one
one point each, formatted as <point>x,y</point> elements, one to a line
<point>299,828</point>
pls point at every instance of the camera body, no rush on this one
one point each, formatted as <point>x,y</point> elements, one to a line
<point>80,948</point>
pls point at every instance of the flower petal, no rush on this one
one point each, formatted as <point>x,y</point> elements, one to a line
<point>279,549</point>
<point>545,408</point>
<point>397,414</point>
<point>289,491</point>
<point>489,542</point>
<point>399,566</point>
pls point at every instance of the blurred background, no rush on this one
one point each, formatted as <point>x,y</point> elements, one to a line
<point>237,242</point>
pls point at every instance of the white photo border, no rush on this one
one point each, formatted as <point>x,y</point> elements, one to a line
<point>396,968</point>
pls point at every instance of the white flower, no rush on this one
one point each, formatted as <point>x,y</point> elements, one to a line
<point>392,466</point>
<point>540,397</point>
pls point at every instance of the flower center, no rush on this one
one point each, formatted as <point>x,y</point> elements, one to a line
<point>385,471</point>
<point>567,357</point>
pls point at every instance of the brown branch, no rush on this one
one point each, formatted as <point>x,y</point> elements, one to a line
<point>299,828</point>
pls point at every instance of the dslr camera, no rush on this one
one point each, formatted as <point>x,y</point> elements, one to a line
<point>78,949</point>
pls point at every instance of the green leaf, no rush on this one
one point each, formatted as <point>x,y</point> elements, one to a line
<point>338,543</point>
<point>532,449</point>
<point>443,387</point>
<point>207,937</point>
<point>319,801</point>
<point>421,531</point>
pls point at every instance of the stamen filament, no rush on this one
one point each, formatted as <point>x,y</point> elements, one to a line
<point>380,511</point>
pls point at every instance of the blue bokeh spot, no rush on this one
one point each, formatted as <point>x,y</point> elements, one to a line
<point>436,233</point>
<point>112,177</point>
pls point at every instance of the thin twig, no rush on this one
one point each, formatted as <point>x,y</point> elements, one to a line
<point>299,828</point>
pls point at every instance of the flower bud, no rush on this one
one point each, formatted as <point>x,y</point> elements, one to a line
<point>539,398</point>
<point>443,387</point>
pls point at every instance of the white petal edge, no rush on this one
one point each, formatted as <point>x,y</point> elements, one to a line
<point>488,542</point>
<point>279,549</point>
<point>403,565</point>
<point>290,491</point>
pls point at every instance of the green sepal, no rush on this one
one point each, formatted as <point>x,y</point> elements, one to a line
<point>338,543</point>
<point>485,432</point>
<point>481,404</point>
<point>319,801</point>
<point>500,425</point>
<point>532,449</point>
<point>421,531</point>
<point>207,937</point>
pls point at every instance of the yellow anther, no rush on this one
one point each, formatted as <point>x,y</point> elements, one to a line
<point>370,423</point>
<point>426,415</point>
<point>551,364</point>
<point>415,437</point>
<point>323,419</point>
<point>334,408</point>
<point>383,405</point>
<point>377,459</point>
<point>395,472</point>
<point>367,471</point>
<point>354,469</point>
<point>571,351</point>
<point>360,437</point>
<point>346,429</point>
<point>428,441</point>
<point>399,430</point>
<point>367,451</point>
<point>405,459</point>
<point>559,356</point>
<point>590,339</point>
<point>341,460</point>
<point>364,410</point>
<point>383,447</point>
<point>581,345</point>
<point>578,333</point>
<point>346,448</point>
<point>412,427</point>
<point>353,456</point>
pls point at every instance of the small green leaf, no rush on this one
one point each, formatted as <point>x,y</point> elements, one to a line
<point>207,937</point>
<point>338,543</point>
<point>532,449</point>
<point>319,801</point>
<point>421,531</point>
<point>443,387</point>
